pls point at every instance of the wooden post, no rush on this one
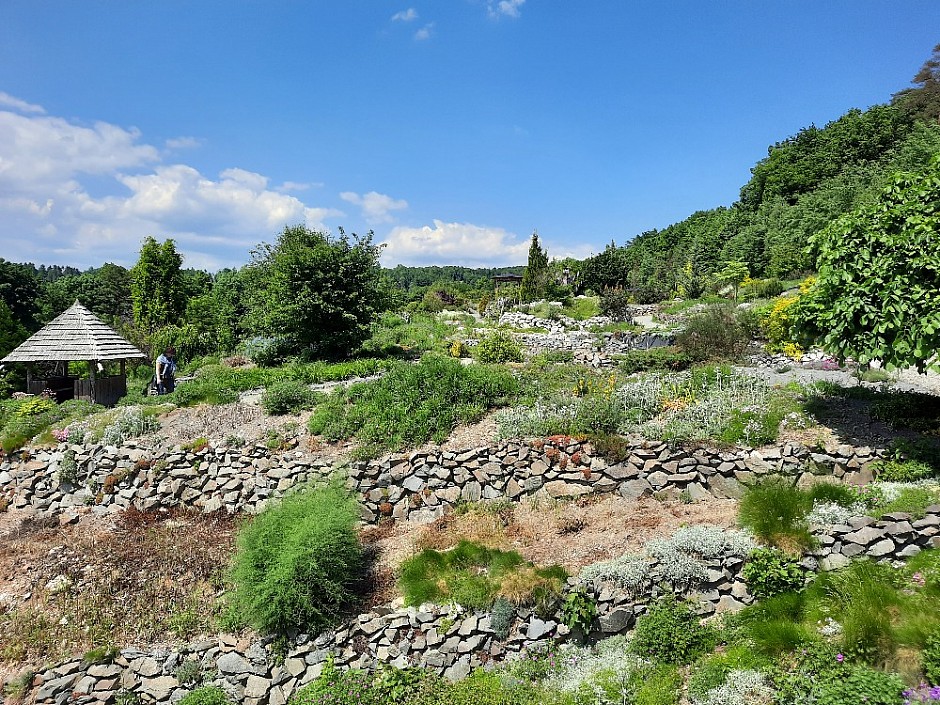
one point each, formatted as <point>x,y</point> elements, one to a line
<point>91,380</point>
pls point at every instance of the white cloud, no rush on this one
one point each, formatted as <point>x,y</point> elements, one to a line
<point>503,8</point>
<point>408,15</point>
<point>376,207</point>
<point>454,243</point>
<point>183,143</point>
<point>9,101</point>
<point>425,32</point>
<point>289,186</point>
<point>80,195</point>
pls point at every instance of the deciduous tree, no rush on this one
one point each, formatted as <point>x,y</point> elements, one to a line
<point>877,295</point>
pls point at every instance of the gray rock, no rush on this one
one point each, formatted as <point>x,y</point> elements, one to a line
<point>233,664</point>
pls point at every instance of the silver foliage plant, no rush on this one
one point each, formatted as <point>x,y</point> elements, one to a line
<point>741,687</point>
<point>678,560</point>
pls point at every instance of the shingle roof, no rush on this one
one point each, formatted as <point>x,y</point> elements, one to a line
<point>76,334</point>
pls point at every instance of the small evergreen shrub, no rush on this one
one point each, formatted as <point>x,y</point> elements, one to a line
<point>769,572</point>
<point>289,396</point>
<point>616,304</point>
<point>672,633</point>
<point>295,563</point>
<point>667,358</point>
<point>502,615</point>
<point>498,347</point>
<point>714,334</point>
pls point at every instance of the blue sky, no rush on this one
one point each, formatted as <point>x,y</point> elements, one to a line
<point>451,128</point>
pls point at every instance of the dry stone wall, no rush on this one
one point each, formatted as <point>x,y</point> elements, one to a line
<point>446,641</point>
<point>420,486</point>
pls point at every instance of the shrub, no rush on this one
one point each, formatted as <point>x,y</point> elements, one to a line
<point>667,358</point>
<point>769,572</point>
<point>288,397</point>
<point>579,611</point>
<point>413,403</point>
<point>616,304</point>
<point>775,510</point>
<point>502,615</point>
<point>129,423</point>
<point>760,289</point>
<point>902,470</point>
<point>337,687</point>
<point>714,334</point>
<point>498,347</point>
<point>206,695</point>
<point>672,633</point>
<point>930,659</point>
<point>859,684</point>
<point>295,562</point>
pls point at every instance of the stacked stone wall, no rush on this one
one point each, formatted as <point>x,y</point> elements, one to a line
<point>419,486</point>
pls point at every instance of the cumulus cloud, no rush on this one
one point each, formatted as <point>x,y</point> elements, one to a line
<point>454,243</point>
<point>503,8</point>
<point>408,15</point>
<point>9,101</point>
<point>183,143</point>
<point>83,195</point>
<point>376,207</point>
<point>425,32</point>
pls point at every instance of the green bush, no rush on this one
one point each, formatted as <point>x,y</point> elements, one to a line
<point>672,633</point>
<point>658,684</point>
<point>930,659</point>
<point>616,304</point>
<point>858,684</point>
<point>413,403</point>
<point>393,336</point>
<point>714,334</point>
<point>338,687</point>
<point>206,695</point>
<point>498,347</point>
<point>295,563</point>
<point>910,500</point>
<point>579,611</point>
<point>667,358</point>
<point>902,470</point>
<point>774,626</point>
<point>775,510</point>
<point>769,572</point>
<point>289,396</point>
<point>760,289</point>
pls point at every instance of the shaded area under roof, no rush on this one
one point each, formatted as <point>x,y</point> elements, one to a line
<point>75,334</point>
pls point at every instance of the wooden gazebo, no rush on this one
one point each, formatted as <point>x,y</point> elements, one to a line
<point>80,336</point>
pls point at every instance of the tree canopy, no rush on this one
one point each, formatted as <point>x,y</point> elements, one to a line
<point>315,292</point>
<point>877,295</point>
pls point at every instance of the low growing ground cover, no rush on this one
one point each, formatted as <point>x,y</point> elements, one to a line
<point>709,403</point>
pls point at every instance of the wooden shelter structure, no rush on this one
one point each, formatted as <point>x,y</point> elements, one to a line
<point>77,335</point>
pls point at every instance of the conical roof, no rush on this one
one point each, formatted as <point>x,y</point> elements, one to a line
<point>76,334</point>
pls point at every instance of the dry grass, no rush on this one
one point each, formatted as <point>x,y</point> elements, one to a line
<point>148,577</point>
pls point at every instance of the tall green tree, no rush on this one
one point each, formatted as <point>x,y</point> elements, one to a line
<point>315,292</point>
<point>535,278</point>
<point>877,295</point>
<point>922,101</point>
<point>157,291</point>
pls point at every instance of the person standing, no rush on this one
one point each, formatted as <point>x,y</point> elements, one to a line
<point>166,371</point>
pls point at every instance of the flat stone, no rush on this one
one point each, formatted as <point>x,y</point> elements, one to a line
<point>257,687</point>
<point>616,620</point>
<point>558,488</point>
<point>159,688</point>
<point>866,535</point>
<point>460,669</point>
<point>538,628</point>
<point>882,548</point>
<point>233,663</point>
<point>834,562</point>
